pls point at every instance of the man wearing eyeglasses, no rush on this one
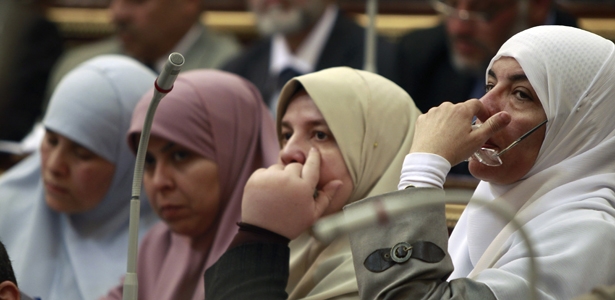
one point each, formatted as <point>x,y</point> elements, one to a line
<point>448,62</point>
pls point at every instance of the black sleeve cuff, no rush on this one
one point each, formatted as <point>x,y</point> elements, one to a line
<point>249,233</point>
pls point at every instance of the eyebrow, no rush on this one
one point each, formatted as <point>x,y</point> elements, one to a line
<point>167,147</point>
<point>514,77</point>
<point>309,123</point>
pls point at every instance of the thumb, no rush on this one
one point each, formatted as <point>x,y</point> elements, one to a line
<point>324,198</point>
<point>495,123</point>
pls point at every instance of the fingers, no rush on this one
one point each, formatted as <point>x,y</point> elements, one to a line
<point>278,166</point>
<point>478,109</point>
<point>325,196</point>
<point>311,168</point>
<point>494,124</point>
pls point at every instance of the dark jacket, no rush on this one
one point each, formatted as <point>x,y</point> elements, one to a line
<point>344,47</point>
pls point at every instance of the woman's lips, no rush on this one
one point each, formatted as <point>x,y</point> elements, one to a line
<point>55,189</point>
<point>172,212</point>
<point>490,145</point>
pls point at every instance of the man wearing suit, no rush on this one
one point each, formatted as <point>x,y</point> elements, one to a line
<point>149,30</point>
<point>303,36</point>
<point>30,46</point>
<point>448,62</point>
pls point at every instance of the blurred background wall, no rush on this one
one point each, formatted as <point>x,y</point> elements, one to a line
<point>82,21</point>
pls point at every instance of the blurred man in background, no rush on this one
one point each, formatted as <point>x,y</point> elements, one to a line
<point>149,30</point>
<point>29,47</point>
<point>303,36</point>
<point>448,62</point>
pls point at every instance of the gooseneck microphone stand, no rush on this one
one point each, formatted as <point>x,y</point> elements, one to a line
<point>163,85</point>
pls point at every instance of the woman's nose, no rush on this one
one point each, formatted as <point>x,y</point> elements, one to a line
<point>295,150</point>
<point>491,102</point>
<point>56,163</point>
<point>162,178</point>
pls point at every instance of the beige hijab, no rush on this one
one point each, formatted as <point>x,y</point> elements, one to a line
<point>372,120</point>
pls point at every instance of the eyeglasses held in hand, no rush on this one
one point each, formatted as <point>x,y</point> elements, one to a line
<point>491,157</point>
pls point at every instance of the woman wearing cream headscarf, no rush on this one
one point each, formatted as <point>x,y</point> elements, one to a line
<point>559,181</point>
<point>338,112</point>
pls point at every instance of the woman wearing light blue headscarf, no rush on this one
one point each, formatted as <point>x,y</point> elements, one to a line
<point>75,251</point>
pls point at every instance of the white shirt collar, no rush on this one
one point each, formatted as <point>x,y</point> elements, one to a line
<point>310,49</point>
<point>182,46</point>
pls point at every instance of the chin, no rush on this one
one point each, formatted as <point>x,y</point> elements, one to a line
<point>181,230</point>
<point>60,206</point>
<point>484,172</point>
<point>496,175</point>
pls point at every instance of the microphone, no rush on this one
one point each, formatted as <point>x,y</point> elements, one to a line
<point>371,46</point>
<point>163,85</point>
<point>164,82</point>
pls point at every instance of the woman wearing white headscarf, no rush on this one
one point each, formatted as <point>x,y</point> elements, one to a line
<point>559,181</point>
<point>64,210</point>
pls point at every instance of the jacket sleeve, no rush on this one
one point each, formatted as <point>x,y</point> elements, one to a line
<point>406,258</point>
<point>249,271</point>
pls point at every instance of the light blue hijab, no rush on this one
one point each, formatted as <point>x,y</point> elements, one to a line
<point>79,256</point>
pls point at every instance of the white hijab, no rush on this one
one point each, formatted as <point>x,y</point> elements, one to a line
<point>566,200</point>
<point>79,256</point>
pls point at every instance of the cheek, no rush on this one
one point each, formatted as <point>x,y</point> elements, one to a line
<point>202,191</point>
<point>92,183</point>
<point>44,157</point>
<point>205,207</point>
<point>332,166</point>
<point>149,189</point>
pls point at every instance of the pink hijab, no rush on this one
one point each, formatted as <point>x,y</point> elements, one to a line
<point>222,117</point>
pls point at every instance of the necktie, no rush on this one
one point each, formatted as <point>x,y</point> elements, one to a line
<point>287,74</point>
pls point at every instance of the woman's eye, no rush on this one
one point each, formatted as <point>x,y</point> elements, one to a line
<point>320,135</point>
<point>523,96</point>
<point>489,87</point>
<point>149,160</point>
<point>51,140</point>
<point>286,136</point>
<point>180,155</point>
<point>84,154</point>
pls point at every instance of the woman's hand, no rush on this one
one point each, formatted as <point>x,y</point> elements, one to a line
<point>281,198</point>
<point>446,130</point>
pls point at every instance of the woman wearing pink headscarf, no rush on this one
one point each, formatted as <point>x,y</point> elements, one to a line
<point>209,134</point>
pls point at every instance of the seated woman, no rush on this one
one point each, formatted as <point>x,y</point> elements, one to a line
<point>208,135</point>
<point>64,210</point>
<point>332,133</point>
<point>559,181</point>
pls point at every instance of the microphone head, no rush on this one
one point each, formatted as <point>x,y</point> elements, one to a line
<point>164,82</point>
<point>176,59</point>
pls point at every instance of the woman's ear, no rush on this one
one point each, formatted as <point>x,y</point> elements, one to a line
<point>9,291</point>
